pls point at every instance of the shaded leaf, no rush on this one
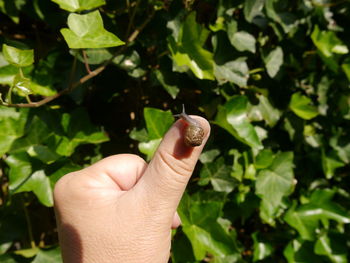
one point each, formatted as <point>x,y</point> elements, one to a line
<point>306,218</point>
<point>275,182</point>
<point>243,41</point>
<point>273,61</point>
<point>233,71</point>
<point>218,174</point>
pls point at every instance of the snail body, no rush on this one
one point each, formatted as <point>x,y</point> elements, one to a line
<point>194,133</point>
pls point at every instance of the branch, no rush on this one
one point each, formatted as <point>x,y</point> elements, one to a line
<point>89,76</point>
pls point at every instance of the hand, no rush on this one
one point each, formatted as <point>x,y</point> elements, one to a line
<point>121,209</point>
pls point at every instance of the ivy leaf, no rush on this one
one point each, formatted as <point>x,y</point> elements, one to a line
<point>12,127</point>
<point>328,45</point>
<point>332,246</point>
<point>233,71</point>
<point>48,255</point>
<point>269,114</point>
<point>233,118</point>
<point>252,9</point>
<point>157,122</point>
<point>219,175</point>
<point>167,82</point>
<point>79,5</point>
<point>22,85</point>
<point>87,31</point>
<point>262,248</point>
<point>299,250</point>
<point>273,183</point>
<point>188,51</point>
<point>301,106</point>
<point>20,169</point>
<point>207,231</point>
<point>243,41</point>
<point>18,57</point>
<point>273,61</point>
<point>305,218</point>
<point>39,184</point>
<point>149,148</point>
<point>330,162</point>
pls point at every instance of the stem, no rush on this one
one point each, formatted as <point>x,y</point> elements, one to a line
<point>29,224</point>
<point>86,61</point>
<point>9,95</point>
<point>28,99</point>
<point>132,17</point>
<point>256,70</point>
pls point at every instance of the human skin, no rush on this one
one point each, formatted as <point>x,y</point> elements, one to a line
<point>122,209</point>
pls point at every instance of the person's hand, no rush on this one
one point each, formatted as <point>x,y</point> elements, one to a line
<point>122,209</point>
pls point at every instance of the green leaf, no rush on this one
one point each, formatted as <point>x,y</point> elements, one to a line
<point>305,218</point>
<point>149,148</point>
<point>330,162</point>
<point>328,43</point>
<point>262,248</point>
<point>332,246</point>
<point>18,57</point>
<point>39,184</point>
<point>188,51</point>
<point>12,126</point>
<point>22,85</point>
<point>219,175</point>
<point>206,231</point>
<point>236,71</point>
<point>275,182</point>
<point>233,118</point>
<point>300,251</point>
<point>264,159</point>
<point>243,41</point>
<point>157,122</point>
<point>167,83</point>
<point>300,105</point>
<point>252,9</point>
<point>269,114</point>
<point>43,153</point>
<point>209,156</point>
<point>51,255</point>
<point>87,31</point>
<point>273,61</point>
<point>346,67</point>
<point>20,169</point>
<point>77,130</point>
<point>79,5</point>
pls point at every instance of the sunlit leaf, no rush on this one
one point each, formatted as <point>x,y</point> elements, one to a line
<point>301,106</point>
<point>87,31</point>
<point>79,5</point>
<point>18,57</point>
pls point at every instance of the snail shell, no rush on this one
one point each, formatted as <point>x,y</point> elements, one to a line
<point>194,135</point>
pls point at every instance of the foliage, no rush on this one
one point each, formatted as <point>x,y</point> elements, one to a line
<point>81,80</point>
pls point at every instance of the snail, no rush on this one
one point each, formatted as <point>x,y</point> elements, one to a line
<point>194,133</point>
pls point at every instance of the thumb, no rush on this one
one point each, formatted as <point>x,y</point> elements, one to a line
<point>167,175</point>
